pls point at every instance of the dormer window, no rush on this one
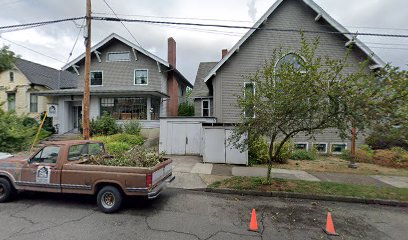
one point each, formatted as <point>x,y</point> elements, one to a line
<point>118,56</point>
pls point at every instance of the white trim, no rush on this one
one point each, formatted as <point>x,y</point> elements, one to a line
<point>98,56</point>
<point>202,107</point>
<point>317,143</point>
<point>134,76</point>
<point>158,67</point>
<point>318,10</point>
<point>75,67</point>
<point>106,40</point>
<point>90,78</point>
<point>245,83</point>
<point>117,52</point>
<point>317,18</point>
<point>134,53</point>
<point>337,143</point>
<point>306,143</point>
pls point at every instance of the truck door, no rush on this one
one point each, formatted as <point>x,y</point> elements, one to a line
<point>41,172</point>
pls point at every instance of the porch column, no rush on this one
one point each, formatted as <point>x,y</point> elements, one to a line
<point>148,107</point>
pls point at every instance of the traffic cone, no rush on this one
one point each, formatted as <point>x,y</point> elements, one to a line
<point>253,225</point>
<point>329,230</point>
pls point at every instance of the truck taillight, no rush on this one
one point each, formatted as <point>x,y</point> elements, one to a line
<point>149,180</point>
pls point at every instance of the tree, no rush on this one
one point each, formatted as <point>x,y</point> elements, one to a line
<point>7,59</point>
<point>307,93</point>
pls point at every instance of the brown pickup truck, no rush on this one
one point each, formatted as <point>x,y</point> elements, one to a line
<point>59,167</point>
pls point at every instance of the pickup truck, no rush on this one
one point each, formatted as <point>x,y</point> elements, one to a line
<point>59,167</point>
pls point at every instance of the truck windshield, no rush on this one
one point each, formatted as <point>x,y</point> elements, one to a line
<point>48,154</point>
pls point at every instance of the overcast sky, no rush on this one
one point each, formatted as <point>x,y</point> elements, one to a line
<point>194,44</point>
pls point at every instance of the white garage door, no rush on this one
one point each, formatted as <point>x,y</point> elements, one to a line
<point>184,138</point>
<point>217,149</point>
<point>214,145</point>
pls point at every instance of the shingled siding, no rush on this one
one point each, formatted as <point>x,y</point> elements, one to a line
<point>121,73</point>
<point>259,47</point>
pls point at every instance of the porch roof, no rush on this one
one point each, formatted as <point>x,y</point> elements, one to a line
<point>102,92</point>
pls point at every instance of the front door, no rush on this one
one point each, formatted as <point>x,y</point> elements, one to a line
<point>41,172</point>
<point>77,116</point>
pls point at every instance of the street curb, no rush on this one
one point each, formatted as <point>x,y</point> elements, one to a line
<point>393,203</point>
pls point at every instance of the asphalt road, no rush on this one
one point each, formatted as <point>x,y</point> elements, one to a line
<point>181,214</point>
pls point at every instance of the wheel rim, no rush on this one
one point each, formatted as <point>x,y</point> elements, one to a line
<point>108,200</point>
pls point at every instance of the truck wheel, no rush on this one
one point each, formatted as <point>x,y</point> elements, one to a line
<point>6,190</point>
<point>109,199</point>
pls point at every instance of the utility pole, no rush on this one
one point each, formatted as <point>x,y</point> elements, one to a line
<point>87,75</point>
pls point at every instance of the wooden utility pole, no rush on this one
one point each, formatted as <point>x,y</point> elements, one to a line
<point>87,75</point>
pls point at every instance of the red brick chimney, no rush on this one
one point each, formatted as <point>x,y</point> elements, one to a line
<point>224,53</point>
<point>172,84</point>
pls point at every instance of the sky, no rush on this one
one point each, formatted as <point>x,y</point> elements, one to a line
<point>52,44</point>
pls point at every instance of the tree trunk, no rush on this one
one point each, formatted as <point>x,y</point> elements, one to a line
<point>268,174</point>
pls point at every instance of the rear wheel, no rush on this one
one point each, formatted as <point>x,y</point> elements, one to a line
<point>109,199</point>
<point>6,190</point>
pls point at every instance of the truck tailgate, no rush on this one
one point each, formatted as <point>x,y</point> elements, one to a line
<point>161,174</point>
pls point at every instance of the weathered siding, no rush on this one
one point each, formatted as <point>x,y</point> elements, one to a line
<point>259,48</point>
<point>121,73</point>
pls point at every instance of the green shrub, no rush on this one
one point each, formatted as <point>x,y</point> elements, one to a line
<point>388,137</point>
<point>132,140</point>
<point>286,151</point>
<point>117,148</point>
<point>104,125</point>
<point>132,127</point>
<point>186,109</point>
<point>258,151</point>
<point>301,154</point>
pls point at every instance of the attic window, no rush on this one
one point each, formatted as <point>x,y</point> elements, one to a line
<point>11,76</point>
<point>118,56</point>
<point>291,59</point>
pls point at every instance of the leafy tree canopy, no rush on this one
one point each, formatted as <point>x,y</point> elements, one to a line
<point>7,59</point>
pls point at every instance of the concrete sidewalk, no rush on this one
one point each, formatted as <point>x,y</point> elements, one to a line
<point>192,173</point>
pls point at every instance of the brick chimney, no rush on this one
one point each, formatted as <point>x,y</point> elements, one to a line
<point>224,53</point>
<point>172,84</point>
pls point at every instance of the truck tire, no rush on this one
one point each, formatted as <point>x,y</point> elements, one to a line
<point>109,199</point>
<point>6,190</point>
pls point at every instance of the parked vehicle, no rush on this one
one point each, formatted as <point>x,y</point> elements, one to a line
<point>59,167</point>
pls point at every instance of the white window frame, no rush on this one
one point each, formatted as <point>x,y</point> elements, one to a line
<point>245,83</point>
<point>337,143</point>
<point>306,143</point>
<point>202,107</point>
<point>90,78</point>
<point>134,77</point>
<point>118,52</point>
<point>325,143</point>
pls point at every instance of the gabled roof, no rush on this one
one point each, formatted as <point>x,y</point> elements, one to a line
<point>46,76</point>
<point>116,36</point>
<point>319,11</point>
<point>200,89</point>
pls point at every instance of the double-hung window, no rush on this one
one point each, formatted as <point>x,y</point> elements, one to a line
<point>96,78</point>
<point>205,108</point>
<point>141,77</point>
<point>33,103</point>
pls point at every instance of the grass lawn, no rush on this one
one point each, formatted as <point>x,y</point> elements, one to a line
<point>335,164</point>
<point>317,188</point>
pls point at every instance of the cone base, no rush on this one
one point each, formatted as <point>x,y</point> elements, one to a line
<point>253,230</point>
<point>330,233</point>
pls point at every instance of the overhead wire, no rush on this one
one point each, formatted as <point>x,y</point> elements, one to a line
<point>76,40</point>
<point>134,38</point>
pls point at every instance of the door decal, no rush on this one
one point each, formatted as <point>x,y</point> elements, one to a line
<point>43,175</point>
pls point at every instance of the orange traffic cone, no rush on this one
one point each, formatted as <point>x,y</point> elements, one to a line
<point>253,225</point>
<point>329,230</point>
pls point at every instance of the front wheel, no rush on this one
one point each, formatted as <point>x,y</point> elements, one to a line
<point>109,199</point>
<point>6,190</point>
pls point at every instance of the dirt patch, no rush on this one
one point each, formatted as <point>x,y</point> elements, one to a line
<point>335,164</point>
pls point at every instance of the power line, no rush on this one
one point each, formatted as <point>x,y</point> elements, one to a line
<point>122,23</point>
<point>30,49</point>
<point>76,40</point>
<point>111,19</point>
<point>41,23</point>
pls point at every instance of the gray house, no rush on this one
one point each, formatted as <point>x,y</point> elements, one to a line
<point>217,83</point>
<point>127,81</point>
